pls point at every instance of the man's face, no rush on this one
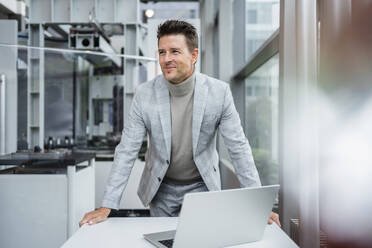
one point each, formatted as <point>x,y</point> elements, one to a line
<point>175,59</point>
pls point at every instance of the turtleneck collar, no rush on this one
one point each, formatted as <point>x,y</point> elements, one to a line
<point>182,88</point>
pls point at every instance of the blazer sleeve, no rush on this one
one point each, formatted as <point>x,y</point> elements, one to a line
<point>126,153</point>
<point>237,144</point>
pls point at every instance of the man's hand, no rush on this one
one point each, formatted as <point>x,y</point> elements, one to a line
<point>95,216</point>
<point>274,218</point>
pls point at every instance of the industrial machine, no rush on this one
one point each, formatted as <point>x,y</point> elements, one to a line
<point>84,38</point>
<point>92,37</point>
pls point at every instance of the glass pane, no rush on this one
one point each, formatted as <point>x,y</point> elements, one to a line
<point>262,19</point>
<point>80,92</point>
<point>261,122</point>
<point>344,104</point>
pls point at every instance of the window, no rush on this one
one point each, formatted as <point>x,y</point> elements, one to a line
<point>252,16</point>
<point>261,119</point>
<point>262,19</point>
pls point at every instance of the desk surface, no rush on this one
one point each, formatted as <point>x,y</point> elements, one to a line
<point>128,232</point>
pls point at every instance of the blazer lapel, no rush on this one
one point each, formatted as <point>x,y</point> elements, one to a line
<point>200,100</point>
<point>163,100</point>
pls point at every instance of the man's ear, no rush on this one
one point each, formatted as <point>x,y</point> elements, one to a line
<point>195,54</point>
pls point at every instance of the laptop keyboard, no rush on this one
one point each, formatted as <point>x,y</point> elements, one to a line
<point>168,242</point>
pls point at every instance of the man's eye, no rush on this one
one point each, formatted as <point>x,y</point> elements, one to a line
<point>176,52</point>
<point>161,52</point>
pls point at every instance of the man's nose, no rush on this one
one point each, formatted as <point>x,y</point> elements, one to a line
<point>167,57</point>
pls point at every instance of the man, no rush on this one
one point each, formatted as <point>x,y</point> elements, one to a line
<point>181,111</point>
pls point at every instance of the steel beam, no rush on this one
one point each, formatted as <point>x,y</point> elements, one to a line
<point>35,87</point>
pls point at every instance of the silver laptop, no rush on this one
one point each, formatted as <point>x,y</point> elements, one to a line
<point>220,218</point>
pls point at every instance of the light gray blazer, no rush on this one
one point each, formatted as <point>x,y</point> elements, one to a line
<point>150,113</point>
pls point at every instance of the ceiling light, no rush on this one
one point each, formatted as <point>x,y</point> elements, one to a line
<point>149,13</point>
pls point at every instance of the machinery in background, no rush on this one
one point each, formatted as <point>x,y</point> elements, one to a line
<point>84,38</point>
<point>92,38</point>
<point>106,101</point>
<point>65,48</point>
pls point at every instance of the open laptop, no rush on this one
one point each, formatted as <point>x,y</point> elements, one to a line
<point>220,218</point>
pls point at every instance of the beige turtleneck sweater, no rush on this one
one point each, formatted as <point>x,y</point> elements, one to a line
<point>182,168</point>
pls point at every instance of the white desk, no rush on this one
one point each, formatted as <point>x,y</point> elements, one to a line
<point>127,232</point>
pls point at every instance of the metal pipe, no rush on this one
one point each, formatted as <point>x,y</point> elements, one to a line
<point>2,114</point>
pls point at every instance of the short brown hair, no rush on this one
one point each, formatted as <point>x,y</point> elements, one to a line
<point>179,27</point>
